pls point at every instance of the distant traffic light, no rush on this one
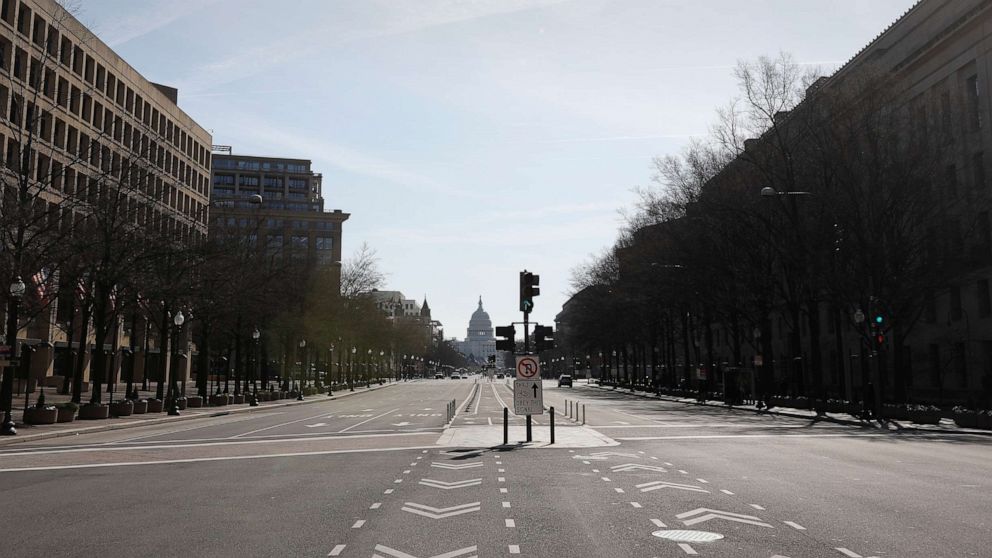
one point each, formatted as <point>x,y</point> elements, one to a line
<point>543,338</point>
<point>529,288</point>
<point>508,333</point>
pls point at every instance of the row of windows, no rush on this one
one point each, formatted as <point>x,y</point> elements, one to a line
<point>60,48</point>
<point>936,109</point>
<point>77,143</point>
<point>52,174</point>
<point>252,165</point>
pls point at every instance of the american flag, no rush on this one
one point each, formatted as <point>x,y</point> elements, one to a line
<point>41,280</point>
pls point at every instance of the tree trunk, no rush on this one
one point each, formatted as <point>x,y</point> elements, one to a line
<point>77,377</point>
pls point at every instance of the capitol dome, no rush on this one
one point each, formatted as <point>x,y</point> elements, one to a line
<point>480,320</point>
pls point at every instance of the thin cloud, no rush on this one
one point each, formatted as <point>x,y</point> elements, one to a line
<point>153,16</point>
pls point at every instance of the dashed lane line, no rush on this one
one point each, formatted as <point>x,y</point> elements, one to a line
<point>794,525</point>
<point>688,549</point>
<point>636,504</point>
<point>704,481</point>
<point>506,504</point>
<point>658,523</point>
<point>756,506</point>
<point>375,506</point>
<point>510,523</point>
<point>727,492</point>
<point>358,524</point>
<point>388,491</point>
<point>514,549</point>
<point>337,550</point>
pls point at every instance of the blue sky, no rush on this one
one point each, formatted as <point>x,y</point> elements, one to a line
<point>472,139</point>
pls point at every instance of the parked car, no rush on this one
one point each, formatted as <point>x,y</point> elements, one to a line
<point>456,377</point>
<point>564,380</point>
<point>438,376</point>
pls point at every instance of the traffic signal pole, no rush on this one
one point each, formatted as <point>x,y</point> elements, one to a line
<point>530,436</point>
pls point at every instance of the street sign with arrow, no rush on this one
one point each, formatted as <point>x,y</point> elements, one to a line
<point>528,397</point>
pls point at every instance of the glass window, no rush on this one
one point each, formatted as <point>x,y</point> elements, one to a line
<point>324,243</point>
<point>300,241</point>
<point>973,99</point>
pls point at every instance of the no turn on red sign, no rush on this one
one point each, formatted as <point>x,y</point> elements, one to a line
<point>528,367</point>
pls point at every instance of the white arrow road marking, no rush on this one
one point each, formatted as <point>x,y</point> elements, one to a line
<point>634,467</point>
<point>403,424</point>
<point>450,485</point>
<point>467,552</point>
<point>455,466</point>
<point>315,425</point>
<point>602,455</point>
<point>709,514</point>
<point>851,553</point>
<point>658,485</point>
<point>440,513</point>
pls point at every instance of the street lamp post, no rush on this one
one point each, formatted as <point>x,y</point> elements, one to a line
<point>330,371</point>
<point>351,369</point>
<point>303,363</point>
<point>178,320</point>
<point>255,335</point>
<point>368,361</point>
<point>17,289</point>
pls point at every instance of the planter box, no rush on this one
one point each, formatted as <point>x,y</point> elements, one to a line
<point>121,408</point>
<point>140,407</point>
<point>194,402</point>
<point>181,403</point>
<point>41,415</point>
<point>238,399</point>
<point>984,420</point>
<point>65,414</point>
<point>93,412</point>
<point>155,405</point>
<point>218,400</point>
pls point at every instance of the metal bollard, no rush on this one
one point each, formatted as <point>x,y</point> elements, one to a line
<point>506,426</point>
<point>552,424</point>
<point>583,413</point>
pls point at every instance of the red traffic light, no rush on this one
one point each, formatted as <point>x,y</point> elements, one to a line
<point>880,339</point>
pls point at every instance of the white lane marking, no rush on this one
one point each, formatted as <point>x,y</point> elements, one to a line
<point>478,400</point>
<point>848,553</point>
<point>406,471</point>
<point>375,506</point>
<point>727,492</point>
<point>606,479</point>
<point>794,525</point>
<point>314,417</point>
<point>498,398</point>
<point>743,436</point>
<point>414,464</point>
<point>388,491</point>
<point>504,490</point>
<point>336,551</point>
<point>500,470</point>
<point>206,445</point>
<point>658,523</point>
<point>706,514</point>
<point>704,481</point>
<point>456,466</point>
<point>688,549</point>
<point>659,485</point>
<point>619,490</point>
<point>490,419</point>
<point>200,459</point>
<point>756,506</point>
<point>510,523</point>
<point>316,424</point>
<point>514,549</point>
<point>425,451</point>
<point>683,471</point>
<point>635,504</point>
<point>367,420</point>
<point>585,463</point>
<point>506,504</point>
<point>440,513</point>
<point>358,524</point>
<point>450,485</point>
<point>669,464</point>
<point>653,457</point>
<point>595,470</point>
<point>641,452</point>
<point>397,481</point>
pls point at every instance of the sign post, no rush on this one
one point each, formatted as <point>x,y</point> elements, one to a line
<point>528,393</point>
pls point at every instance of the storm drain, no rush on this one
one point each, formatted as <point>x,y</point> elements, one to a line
<point>683,535</point>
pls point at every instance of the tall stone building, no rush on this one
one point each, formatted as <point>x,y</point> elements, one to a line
<point>480,338</point>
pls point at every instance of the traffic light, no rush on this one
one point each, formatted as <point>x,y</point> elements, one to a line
<point>491,359</point>
<point>543,338</point>
<point>508,343</point>
<point>529,288</point>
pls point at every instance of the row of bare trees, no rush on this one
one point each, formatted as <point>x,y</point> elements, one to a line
<point>812,203</point>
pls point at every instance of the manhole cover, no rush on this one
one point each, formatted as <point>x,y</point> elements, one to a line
<point>682,535</point>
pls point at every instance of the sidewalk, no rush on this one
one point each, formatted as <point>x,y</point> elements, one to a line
<point>946,426</point>
<point>28,432</point>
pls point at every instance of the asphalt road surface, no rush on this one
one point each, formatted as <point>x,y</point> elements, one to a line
<point>383,473</point>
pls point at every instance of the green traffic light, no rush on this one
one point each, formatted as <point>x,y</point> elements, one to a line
<point>878,319</point>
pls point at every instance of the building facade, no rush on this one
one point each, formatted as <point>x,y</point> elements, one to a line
<point>290,218</point>
<point>94,125</point>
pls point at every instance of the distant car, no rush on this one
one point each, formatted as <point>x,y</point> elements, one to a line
<point>499,376</point>
<point>438,376</point>
<point>456,377</point>
<point>564,380</point>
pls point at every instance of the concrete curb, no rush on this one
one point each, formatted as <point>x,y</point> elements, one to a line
<point>825,418</point>
<point>8,441</point>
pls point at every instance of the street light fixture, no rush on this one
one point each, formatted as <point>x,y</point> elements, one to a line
<point>17,290</point>
<point>178,320</point>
